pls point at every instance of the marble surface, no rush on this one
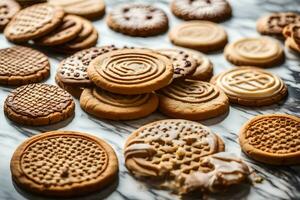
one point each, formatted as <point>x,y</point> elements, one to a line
<point>279,182</point>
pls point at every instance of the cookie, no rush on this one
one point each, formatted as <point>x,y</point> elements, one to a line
<point>137,19</point>
<point>64,164</point>
<point>292,35</point>
<point>131,71</point>
<point>250,86</point>
<point>204,36</point>
<point>183,63</point>
<point>67,31</point>
<point>22,65</point>
<point>193,100</point>
<point>75,91</point>
<point>27,3</point>
<point>8,8</point>
<point>107,105</point>
<point>39,104</point>
<point>272,139</point>
<point>33,22</point>
<point>274,23</point>
<point>260,51</point>
<point>90,9</point>
<point>211,10</point>
<point>164,150</point>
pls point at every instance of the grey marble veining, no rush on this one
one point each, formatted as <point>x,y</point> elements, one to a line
<point>279,182</point>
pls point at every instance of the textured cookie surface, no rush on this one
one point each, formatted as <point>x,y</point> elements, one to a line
<point>272,139</point>
<point>138,19</point>
<point>8,8</point>
<point>39,104</point>
<point>292,35</point>
<point>64,163</point>
<point>199,35</point>
<point>22,65</point>
<point>131,71</point>
<point>191,99</point>
<point>104,104</point>
<point>212,10</point>
<point>251,86</point>
<point>261,51</point>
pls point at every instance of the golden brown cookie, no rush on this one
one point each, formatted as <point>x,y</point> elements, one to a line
<point>211,10</point>
<point>131,71</point>
<point>272,139</point>
<point>107,105</point>
<point>33,22</point>
<point>260,51</point>
<point>39,104</point>
<point>64,164</point>
<point>200,35</point>
<point>136,19</point>
<point>250,86</point>
<point>8,8</point>
<point>22,65</point>
<point>292,35</point>
<point>193,100</point>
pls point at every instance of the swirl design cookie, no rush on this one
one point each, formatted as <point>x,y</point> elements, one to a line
<point>200,35</point>
<point>131,71</point>
<point>64,164</point>
<point>104,104</point>
<point>272,139</point>
<point>191,99</point>
<point>8,8</point>
<point>262,52</point>
<point>251,86</point>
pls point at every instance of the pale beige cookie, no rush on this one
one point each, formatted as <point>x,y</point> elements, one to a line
<point>272,139</point>
<point>260,51</point>
<point>8,8</point>
<point>200,35</point>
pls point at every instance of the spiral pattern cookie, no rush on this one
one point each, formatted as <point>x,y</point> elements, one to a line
<point>131,71</point>
<point>193,100</point>
<point>39,104</point>
<point>261,52</point>
<point>250,86</point>
<point>22,65</point>
<point>272,139</point>
<point>104,104</point>
<point>200,35</point>
<point>64,164</point>
<point>8,8</point>
<point>136,19</point>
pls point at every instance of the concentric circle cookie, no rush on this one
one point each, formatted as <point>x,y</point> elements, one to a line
<point>33,22</point>
<point>272,139</point>
<point>211,10</point>
<point>250,86</point>
<point>104,104</point>
<point>137,19</point>
<point>39,104</point>
<point>22,65</point>
<point>193,100</point>
<point>200,35</point>
<point>261,51</point>
<point>64,164</point>
<point>8,8</point>
<point>131,71</point>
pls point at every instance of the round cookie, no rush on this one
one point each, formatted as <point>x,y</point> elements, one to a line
<point>272,139</point>
<point>90,9</point>
<point>137,19</point>
<point>261,52</point>
<point>39,104</point>
<point>204,36</point>
<point>292,35</point>
<point>211,10</point>
<point>64,164</point>
<point>75,91</point>
<point>107,105</point>
<point>193,100</point>
<point>22,65</point>
<point>33,22</point>
<point>250,86</point>
<point>131,71</point>
<point>183,63</point>
<point>8,8</point>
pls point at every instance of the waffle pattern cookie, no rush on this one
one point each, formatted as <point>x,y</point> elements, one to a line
<point>272,139</point>
<point>64,164</point>
<point>8,8</point>
<point>39,104</point>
